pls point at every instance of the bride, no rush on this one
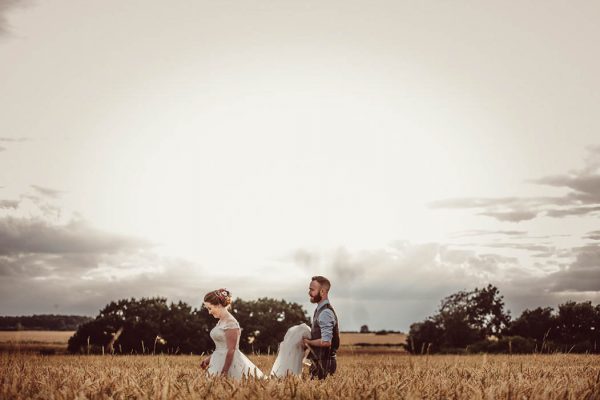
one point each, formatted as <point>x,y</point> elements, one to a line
<point>228,360</point>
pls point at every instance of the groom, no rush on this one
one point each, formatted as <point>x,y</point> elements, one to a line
<point>325,334</point>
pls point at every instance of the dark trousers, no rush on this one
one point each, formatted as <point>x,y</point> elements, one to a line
<point>320,369</point>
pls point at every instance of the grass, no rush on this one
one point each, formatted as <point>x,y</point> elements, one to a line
<point>556,376</point>
<point>54,342</point>
<point>353,339</point>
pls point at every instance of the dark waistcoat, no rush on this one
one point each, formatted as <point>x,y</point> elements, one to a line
<point>315,333</point>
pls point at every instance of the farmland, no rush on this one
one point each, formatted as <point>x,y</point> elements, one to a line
<point>363,372</point>
<point>372,376</point>
<point>34,341</point>
<point>57,341</point>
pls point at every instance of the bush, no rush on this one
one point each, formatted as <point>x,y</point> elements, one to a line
<point>509,344</point>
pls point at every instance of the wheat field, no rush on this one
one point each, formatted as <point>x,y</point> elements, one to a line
<point>50,337</point>
<point>558,376</point>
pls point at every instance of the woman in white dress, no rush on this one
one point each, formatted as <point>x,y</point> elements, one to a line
<point>227,359</point>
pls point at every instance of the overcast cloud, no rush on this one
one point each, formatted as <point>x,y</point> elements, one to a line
<point>582,197</point>
<point>405,150</point>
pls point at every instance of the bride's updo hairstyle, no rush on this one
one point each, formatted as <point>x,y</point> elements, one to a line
<point>219,297</point>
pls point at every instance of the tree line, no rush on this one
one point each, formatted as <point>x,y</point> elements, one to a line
<point>151,326</point>
<point>466,322</point>
<point>476,321</point>
<point>43,322</point>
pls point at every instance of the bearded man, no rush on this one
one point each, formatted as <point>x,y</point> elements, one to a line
<point>325,334</point>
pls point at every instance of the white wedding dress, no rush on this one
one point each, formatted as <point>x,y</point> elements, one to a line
<point>241,365</point>
<point>288,361</point>
<point>291,352</point>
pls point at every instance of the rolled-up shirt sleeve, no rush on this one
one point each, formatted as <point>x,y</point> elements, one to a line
<point>326,323</point>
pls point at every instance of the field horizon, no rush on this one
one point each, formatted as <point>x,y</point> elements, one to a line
<point>55,342</point>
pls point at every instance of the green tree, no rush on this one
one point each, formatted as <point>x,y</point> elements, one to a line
<point>144,326</point>
<point>152,325</point>
<point>537,324</point>
<point>577,325</point>
<point>424,337</point>
<point>463,318</point>
<point>265,321</point>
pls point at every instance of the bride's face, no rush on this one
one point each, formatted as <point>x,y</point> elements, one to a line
<point>214,310</point>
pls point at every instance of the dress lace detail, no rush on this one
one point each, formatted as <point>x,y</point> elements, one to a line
<point>229,324</point>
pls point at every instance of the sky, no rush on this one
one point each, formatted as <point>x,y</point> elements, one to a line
<point>404,150</point>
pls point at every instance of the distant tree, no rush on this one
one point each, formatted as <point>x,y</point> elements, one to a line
<point>475,321</point>
<point>574,328</point>
<point>364,329</point>
<point>44,322</point>
<point>144,326</point>
<point>536,324</point>
<point>486,312</point>
<point>578,325</point>
<point>463,318</point>
<point>152,325</point>
<point>265,321</point>
<point>424,337</point>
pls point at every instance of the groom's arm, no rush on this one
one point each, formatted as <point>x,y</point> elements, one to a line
<point>317,343</point>
<point>326,322</point>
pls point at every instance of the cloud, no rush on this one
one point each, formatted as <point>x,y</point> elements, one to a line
<point>66,265</point>
<point>9,204</point>
<point>35,235</point>
<point>412,278</point>
<point>586,187</point>
<point>408,278</point>
<point>305,258</point>
<point>469,202</point>
<point>82,285</point>
<point>6,139</point>
<point>72,267</point>
<point>5,7</point>
<point>520,246</point>
<point>583,197</point>
<point>47,192</point>
<point>512,216</point>
<point>482,232</point>
<point>593,235</point>
<point>405,271</point>
<point>583,210</point>
<point>583,275</point>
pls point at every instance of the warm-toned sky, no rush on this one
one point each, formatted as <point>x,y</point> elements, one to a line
<point>404,149</point>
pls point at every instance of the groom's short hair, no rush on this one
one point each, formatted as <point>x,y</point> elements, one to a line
<point>324,282</point>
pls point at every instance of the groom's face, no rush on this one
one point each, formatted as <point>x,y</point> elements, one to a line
<point>314,292</point>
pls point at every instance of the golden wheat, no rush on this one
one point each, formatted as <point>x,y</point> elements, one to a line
<point>27,376</point>
<point>49,337</point>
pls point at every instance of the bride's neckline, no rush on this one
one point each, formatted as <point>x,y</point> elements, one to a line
<point>226,319</point>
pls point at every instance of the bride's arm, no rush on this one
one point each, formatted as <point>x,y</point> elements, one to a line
<point>231,337</point>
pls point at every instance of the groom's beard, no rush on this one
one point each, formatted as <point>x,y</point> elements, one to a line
<point>316,298</point>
